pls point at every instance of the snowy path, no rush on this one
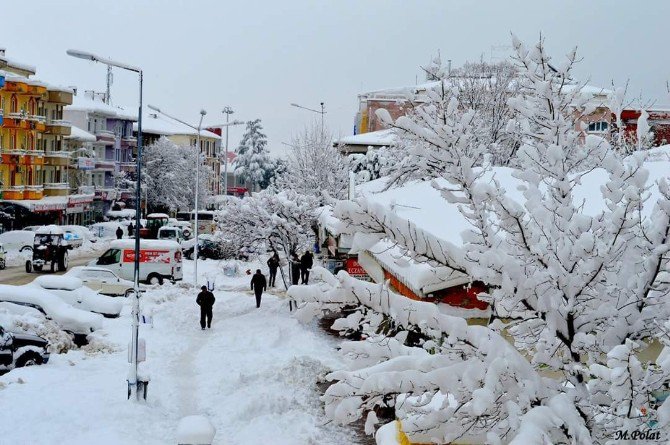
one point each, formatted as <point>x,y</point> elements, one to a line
<point>252,374</point>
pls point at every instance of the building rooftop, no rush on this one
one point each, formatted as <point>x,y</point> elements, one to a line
<point>155,123</point>
<point>93,105</point>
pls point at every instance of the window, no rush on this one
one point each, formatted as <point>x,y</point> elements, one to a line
<point>598,127</point>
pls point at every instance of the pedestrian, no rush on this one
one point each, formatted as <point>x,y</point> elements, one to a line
<point>273,265</point>
<point>206,301</point>
<point>119,233</point>
<point>258,285</point>
<point>306,263</point>
<point>295,268</point>
<point>130,229</point>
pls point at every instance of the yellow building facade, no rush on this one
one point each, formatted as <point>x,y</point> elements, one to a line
<point>34,164</point>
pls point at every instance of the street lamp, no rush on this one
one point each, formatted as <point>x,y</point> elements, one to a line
<point>133,383</point>
<point>322,112</point>
<point>197,180</point>
<point>227,111</point>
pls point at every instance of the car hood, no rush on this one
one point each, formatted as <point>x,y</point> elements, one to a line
<point>29,338</point>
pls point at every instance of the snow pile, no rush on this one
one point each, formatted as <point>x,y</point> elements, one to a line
<point>28,320</point>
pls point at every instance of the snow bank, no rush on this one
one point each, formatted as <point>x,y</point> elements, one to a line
<point>195,430</point>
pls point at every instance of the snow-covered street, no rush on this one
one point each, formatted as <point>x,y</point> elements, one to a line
<point>253,374</point>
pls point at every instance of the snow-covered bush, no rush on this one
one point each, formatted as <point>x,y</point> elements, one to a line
<point>581,291</point>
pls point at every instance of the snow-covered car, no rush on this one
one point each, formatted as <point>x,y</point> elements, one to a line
<point>102,280</point>
<point>72,291</point>
<point>19,240</point>
<point>79,323</point>
<point>171,233</point>
<point>81,232</point>
<point>107,230</point>
<point>185,226</point>
<point>21,349</point>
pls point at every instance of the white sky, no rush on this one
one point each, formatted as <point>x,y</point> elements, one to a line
<point>258,56</point>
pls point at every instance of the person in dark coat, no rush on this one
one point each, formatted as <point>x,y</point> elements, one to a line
<point>206,301</point>
<point>130,229</point>
<point>119,233</point>
<point>306,263</point>
<point>295,268</point>
<point>273,265</point>
<point>258,285</point>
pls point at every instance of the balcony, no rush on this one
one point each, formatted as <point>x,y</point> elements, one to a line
<point>13,192</point>
<point>105,164</point>
<point>36,122</point>
<point>59,128</point>
<point>60,97</point>
<point>15,120</point>
<point>128,166</point>
<point>33,192</point>
<point>57,158</point>
<point>33,157</point>
<point>129,141</point>
<point>108,137</point>
<point>56,188</point>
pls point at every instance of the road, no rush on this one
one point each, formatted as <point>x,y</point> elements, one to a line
<point>17,275</point>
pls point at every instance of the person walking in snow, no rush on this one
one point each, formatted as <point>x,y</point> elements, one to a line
<point>273,265</point>
<point>130,229</point>
<point>258,285</point>
<point>119,233</point>
<point>295,268</point>
<point>306,263</point>
<point>206,301</point>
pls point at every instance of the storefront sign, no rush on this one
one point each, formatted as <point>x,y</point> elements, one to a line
<point>356,270</point>
<point>75,209</point>
<point>85,163</point>
<point>48,207</point>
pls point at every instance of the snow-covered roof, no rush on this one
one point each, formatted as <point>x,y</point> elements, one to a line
<point>77,134</point>
<point>375,138</point>
<point>84,103</point>
<point>49,230</point>
<point>155,123</point>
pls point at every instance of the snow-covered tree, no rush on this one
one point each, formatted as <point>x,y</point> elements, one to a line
<point>253,162</point>
<point>314,167</point>
<point>282,221</point>
<point>374,164</point>
<point>168,175</point>
<point>581,291</point>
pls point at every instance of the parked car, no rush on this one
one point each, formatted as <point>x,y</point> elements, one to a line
<point>19,349</point>
<point>50,248</point>
<point>171,233</point>
<point>185,227</point>
<point>72,291</point>
<point>79,323</point>
<point>3,253</point>
<point>208,248</point>
<point>102,280</point>
<point>19,240</point>
<point>159,260</point>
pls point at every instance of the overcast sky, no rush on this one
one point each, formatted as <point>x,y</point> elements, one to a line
<point>258,56</point>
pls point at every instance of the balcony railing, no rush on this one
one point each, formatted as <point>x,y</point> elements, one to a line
<point>15,188</point>
<point>56,186</point>
<point>58,154</point>
<point>34,188</point>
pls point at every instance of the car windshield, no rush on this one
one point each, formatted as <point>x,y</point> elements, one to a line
<point>45,239</point>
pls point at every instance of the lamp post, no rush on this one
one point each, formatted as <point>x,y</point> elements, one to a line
<point>133,384</point>
<point>197,180</point>
<point>322,112</point>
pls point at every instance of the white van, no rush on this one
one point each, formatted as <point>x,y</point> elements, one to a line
<point>159,260</point>
<point>171,233</point>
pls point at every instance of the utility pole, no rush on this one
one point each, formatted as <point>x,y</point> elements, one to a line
<point>227,111</point>
<point>110,80</point>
